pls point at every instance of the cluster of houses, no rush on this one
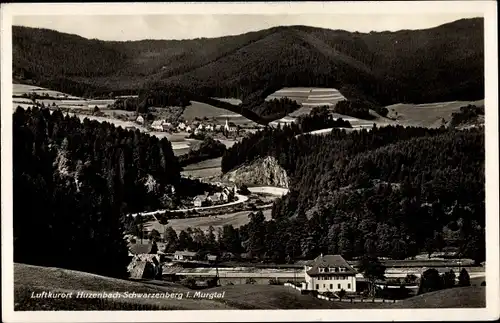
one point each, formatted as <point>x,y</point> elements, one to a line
<point>227,195</point>
<point>194,127</point>
<point>326,273</point>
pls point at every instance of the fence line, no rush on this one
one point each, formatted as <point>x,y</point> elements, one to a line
<point>347,300</point>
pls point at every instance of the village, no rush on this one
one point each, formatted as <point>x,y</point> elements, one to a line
<point>195,127</point>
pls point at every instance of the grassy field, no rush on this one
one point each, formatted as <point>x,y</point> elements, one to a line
<point>209,163</point>
<point>205,169</point>
<point>427,115</point>
<point>458,297</point>
<point>29,279</point>
<point>201,110</point>
<point>20,89</point>
<point>236,219</point>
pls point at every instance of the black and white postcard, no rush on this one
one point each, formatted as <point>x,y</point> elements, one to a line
<point>195,161</point>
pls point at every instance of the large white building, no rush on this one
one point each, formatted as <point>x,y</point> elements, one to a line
<point>329,273</point>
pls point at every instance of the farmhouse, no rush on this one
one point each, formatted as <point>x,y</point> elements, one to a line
<point>167,126</point>
<point>181,126</point>
<point>157,125</point>
<point>139,120</point>
<point>211,258</point>
<point>219,198</point>
<point>185,255</point>
<point>200,200</point>
<point>329,273</point>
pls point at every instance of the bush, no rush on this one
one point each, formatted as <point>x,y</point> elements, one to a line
<point>244,190</point>
<point>483,283</point>
<point>188,282</point>
<point>273,281</point>
<point>250,281</point>
<point>341,294</point>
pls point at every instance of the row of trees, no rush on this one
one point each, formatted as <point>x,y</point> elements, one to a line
<point>319,118</point>
<point>467,114</point>
<point>431,280</point>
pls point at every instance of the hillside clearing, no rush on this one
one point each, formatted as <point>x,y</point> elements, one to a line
<point>205,169</point>
<point>202,110</point>
<point>427,115</point>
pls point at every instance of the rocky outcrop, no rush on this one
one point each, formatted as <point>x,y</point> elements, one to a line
<point>261,172</point>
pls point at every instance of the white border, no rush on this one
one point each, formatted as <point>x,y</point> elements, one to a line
<point>485,8</point>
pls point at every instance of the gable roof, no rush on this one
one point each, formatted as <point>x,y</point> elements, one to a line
<point>200,198</point>
<point>157,123</point>
<point>330,261</point>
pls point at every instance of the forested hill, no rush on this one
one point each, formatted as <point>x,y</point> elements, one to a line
<point>393,192</point>
<point>75,181</point>
<point>438,64</point>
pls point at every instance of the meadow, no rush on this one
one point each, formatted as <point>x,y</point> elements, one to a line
<point>205,169</point>
<point>201,110</point>
<point>427,115</point>
<point>236,219</point>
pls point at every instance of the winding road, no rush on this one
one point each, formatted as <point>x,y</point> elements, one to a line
<point>240,199</point>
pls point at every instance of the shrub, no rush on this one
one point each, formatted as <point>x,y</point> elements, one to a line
<point>188,282</point>
<point>250,281</point>
<point>483,283</point>
<point>341,294</point>
<point>273,281</point>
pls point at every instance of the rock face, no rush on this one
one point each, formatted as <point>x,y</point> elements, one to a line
<point>261,172</point>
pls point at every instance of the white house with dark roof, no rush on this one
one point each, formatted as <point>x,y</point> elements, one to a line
<point>329,273</point>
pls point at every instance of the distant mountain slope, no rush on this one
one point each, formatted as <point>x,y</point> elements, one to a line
<point>444,63</point>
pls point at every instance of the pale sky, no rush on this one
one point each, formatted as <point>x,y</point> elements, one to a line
<point>181,26</point>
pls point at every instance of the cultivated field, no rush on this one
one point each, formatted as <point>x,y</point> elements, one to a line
<point>308,97</point>
<point>427,115</point>
<point>201,110</point>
